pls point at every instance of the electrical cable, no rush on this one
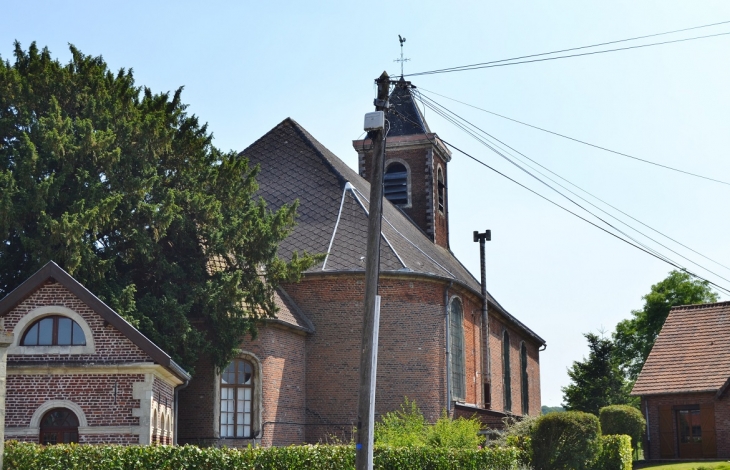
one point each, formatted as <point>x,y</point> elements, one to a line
<point>636,244</point>
<point>582,198</point>
<point>595,197</point>
<point>489,65</point>
<point>584,47</point>
<point>577,140</point>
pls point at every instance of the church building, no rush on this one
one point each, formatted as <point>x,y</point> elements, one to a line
<point>297,382</point>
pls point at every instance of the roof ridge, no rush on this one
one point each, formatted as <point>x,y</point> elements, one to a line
<point>310,141</point>
<point>701,306</point>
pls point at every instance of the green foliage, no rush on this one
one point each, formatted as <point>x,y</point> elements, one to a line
<point>635,336</point>
<point>408,428</point>
<point>622,419</point>
<point>597,381</point>
<point>615,453</point>
<point>124,190</point>
<point>551,409</point>
<point>24,456</point>
<point>402,428</point>
<point>516,434</point>
<point>460,433</point>
<point>566,441</point>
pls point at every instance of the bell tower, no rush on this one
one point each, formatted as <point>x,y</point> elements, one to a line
<point>416,177</point>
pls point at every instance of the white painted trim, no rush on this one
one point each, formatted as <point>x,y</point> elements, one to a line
<point>35,420</point>
<point>46,311</point>
<point>348,187</point>
<point>62,369</point>
<point>83,430</point>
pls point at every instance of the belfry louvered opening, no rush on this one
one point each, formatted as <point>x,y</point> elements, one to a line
<point>395,184</point>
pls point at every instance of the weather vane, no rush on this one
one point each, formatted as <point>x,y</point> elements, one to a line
<point>401,60</point>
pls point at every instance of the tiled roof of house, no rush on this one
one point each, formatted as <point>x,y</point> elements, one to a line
<point>691,353</point>
<point>333,213</point>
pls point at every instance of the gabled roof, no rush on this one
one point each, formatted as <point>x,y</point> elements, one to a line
<point>691,353</point>
<point>51,271</point>
<point>404,116</point>
<point>333,213</point>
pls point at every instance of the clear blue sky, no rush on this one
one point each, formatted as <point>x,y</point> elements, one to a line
<point>248,65</point>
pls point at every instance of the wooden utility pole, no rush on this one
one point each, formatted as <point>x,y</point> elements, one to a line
<point>371,315</point>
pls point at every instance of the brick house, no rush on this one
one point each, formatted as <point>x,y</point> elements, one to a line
<point>78,372</point>
<point>684,385</point>
<point>298,380</point>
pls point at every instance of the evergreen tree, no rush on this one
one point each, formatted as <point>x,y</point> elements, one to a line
<point>635,336</point>
<point>597,381</point>
<point>124,189</point>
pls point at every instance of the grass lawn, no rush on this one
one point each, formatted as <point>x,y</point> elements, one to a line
<point>724,465</point>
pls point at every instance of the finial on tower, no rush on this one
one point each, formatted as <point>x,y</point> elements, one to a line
<point>401,60</point>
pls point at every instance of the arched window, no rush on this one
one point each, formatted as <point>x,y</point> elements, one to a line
<point>55,330</point>
<point>395,184</point>
<point>59,426</point>
<point>525,384</point>
<point>507,376</point>
<point>154,427</point>
<point>237,387</point>
<point>458,374</point>
<point>441,189</point>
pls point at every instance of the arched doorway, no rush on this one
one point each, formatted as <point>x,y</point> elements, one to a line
<point>59,426</point>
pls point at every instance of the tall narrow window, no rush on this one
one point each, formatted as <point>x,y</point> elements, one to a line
<point>395,184</point>
<point>237,400</point>
<point>506,372</point>
<point>458,374</point>
<point>525,383</point>
<point>441,188</point>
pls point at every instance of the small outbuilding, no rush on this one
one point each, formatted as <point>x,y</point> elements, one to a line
<point>684,385</point>
<point>79,372</point>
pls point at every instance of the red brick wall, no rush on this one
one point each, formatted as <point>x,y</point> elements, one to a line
<point>423,189</point>
<point>497,326</point>
<point>722,419</point>
<point>111,345</point>
<point>196,401</point>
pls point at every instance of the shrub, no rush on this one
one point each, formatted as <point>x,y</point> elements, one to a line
<point>623,419</point>
<point>403,428</point>
<point>460,433</point>
<point>24,456</point>
<point>516,434</point>
<point>615,453</point>
<point>562,441</point>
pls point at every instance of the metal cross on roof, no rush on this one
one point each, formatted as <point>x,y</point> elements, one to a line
<point>401,60</point>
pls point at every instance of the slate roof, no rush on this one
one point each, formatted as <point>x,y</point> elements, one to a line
<point>691,353</point>
<point>53,271</point>
<point>333,213</point>
<point>404,116</point>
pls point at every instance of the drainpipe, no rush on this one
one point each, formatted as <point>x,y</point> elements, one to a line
<point>176,399</point>
<point>448,346</point>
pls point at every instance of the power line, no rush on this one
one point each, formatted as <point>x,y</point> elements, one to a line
<point>581,47</point>
<point>580,141</point>
<point>575,194</point>
<point>505,62</point>
<point>666,260</point>
<point>635,243</point>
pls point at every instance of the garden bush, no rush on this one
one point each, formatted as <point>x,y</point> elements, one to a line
<point>516,433</point>
<point>26,456</point>
<point>615,453</point>
<point>460,433</point>
<point>563,441</point>
<point>623,419</point>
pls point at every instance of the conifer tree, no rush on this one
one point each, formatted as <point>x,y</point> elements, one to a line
<point>124,189</point>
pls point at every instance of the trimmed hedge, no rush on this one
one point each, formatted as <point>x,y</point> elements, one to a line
<point>616,453</point>
<point>25,456</point>
<point>565,441</point>
<point>623,419</point>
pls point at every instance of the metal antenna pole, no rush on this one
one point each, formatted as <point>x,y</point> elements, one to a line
<point>371,316</point>
<point>401,60</point>
<point>486,361</point>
